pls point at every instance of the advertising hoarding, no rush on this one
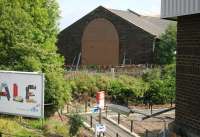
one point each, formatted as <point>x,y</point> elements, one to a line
<point>22,93</point>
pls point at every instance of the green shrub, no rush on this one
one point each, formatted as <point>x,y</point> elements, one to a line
<point>75,123</point>
<point>83,84</point>
<point>152,74</point>
<point>162,89</point>
<point>102,82</point>
<point>157,84</point>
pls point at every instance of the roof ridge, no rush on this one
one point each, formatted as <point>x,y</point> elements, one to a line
<point>131,11</point>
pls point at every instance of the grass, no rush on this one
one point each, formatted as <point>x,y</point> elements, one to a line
<point>13,126</point>
<point>55,128</point>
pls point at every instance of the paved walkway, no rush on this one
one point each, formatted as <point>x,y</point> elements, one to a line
<point>111,128</point>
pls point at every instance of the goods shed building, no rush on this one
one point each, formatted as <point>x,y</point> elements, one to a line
<point>111,37</point>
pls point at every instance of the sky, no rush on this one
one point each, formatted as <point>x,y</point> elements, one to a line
<point>73,10</point>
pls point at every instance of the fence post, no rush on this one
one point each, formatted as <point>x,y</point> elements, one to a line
<point>147,132</point>
<point>118,121</point>
<point>117,135</point>
<point>171,102</point>
<point>106,111</point>
<point>91,121</point>
<point>113,72</point>
<point>67,108</point>
<point>151,107</point>
<point>86,104</point>
<point>99,115</point>
<point>131,125</point>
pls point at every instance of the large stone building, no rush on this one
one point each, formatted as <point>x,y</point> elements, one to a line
<point>187,13</point>
<point>111,37</point>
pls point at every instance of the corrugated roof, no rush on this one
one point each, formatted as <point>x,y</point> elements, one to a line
<point>171,9</point>
<point>153,25</point>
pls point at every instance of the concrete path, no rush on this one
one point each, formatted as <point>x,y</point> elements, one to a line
<point>111,128</point>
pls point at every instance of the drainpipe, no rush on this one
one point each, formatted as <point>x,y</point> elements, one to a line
<point>154,43</point>
<point>124,59</point>
<point>79,57</point>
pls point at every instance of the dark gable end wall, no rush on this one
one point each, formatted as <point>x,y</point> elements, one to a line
<point>188,76</point>
<point>133,40</point>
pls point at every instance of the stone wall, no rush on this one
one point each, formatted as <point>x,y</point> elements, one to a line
<point>188,76</point>
<point>69,40</point>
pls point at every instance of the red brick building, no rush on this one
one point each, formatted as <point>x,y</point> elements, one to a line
<point>111,37</point>
<point>187,13</point>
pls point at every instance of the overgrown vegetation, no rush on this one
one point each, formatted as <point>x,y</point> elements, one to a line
<point>28,31</point>
<point>55,128</point>
<point>157,85</point>
<point>161,84</point>
<point>75,122</point>
<point>12,126</point>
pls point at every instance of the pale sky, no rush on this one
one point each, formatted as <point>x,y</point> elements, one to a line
<point>73,10</point>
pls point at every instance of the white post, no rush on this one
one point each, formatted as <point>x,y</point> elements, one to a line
<point>113,72</point>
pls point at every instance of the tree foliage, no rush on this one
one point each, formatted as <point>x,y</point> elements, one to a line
<point>166,46</point>
<point>28,31</point>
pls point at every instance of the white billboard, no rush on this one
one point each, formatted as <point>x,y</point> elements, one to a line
<point>22,93</point>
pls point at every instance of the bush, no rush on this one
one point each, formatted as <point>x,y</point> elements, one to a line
<point>162,88</point>
<point>83,84</point>
<point>157,84</point>
<point>75,123</point>
<point>119,88</point>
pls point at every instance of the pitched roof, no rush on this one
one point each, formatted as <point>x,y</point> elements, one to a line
<point>153,25</point>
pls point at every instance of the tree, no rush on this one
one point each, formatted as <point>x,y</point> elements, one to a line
<point>166,46</point>
<point>28,31</point>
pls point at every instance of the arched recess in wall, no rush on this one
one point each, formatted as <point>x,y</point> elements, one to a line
<point>100,43</point>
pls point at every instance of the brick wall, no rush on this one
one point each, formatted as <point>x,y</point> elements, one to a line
<point>188,75</point>
<point>69,40</point>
